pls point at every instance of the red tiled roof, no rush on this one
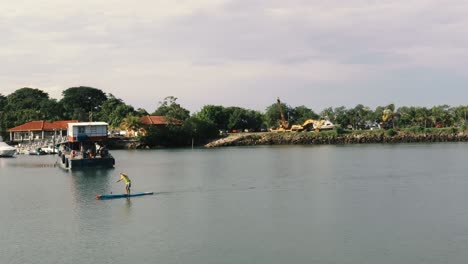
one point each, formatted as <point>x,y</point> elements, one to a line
<point>42,125</point>
<point>154,120</point>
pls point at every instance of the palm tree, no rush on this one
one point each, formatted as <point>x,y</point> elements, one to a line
<point>422,115</point>
<point>132,124</point>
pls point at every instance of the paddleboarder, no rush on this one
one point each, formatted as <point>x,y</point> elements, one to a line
<point>128,182</point>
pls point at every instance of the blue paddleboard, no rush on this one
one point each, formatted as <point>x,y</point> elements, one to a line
<point>121,195</point>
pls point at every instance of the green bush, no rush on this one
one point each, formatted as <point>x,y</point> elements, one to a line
<point>414,129</point>
<point>391,132</point>
<point>328,133</point>
<point>446,130</point>
<point>339,130</point>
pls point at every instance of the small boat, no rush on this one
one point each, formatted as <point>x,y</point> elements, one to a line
<point>6,150</point>
<point>121,195</point>
<point>37,151</point>
<point>50,150</point>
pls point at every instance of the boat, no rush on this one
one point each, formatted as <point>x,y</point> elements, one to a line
<point>49,150</point>
<point>6,150</point>
<point>121,195</point>
<point>37,152</point>
<point>86,147</point>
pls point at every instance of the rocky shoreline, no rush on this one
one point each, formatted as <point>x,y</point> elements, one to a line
<point>311,138</point>
<point>123,144</point>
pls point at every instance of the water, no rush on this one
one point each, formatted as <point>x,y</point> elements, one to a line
<point>326,204</point>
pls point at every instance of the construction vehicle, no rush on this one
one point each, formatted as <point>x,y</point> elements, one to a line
<point>388,119</point>
<point>284,126</point>
<point>314,125</point>
<point>308,125</point>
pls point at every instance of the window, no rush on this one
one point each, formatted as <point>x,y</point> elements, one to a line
<point>81,130</point>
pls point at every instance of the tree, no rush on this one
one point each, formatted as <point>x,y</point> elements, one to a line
<point>408,116</point>
<point>341,117</point>
<point>216,114</point>
<point>141,112</point>
<point>25,98</point>
<point>360,115</point>
<point>200,130</point>
<point>78,102</point>
<point>442,116</point>
<point>422,116</point>
<point>460,115</point>
<point>3,102</point>
<point>28,104</point>
<point>131,123</point>
<point>302,113</point>
<point>240,118</point>
<point>171,109</point>
<point>51,110</point>
<point>329,114</point>
<point>114,110</point>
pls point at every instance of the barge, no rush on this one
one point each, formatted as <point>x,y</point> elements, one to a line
<point>86,147</point>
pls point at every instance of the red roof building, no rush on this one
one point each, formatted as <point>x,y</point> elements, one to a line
<point>39,130</point>
<point>148,121</point>
<point>153,120</point>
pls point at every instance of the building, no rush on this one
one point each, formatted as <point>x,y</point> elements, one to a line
<point>157,121</point>
<point>40,130</point>
<point>144,123</point>
<point>154,120</point>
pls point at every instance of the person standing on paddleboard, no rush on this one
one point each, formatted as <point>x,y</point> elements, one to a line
<point>128,182</point>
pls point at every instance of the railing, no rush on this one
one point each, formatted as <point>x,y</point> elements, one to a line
<point>27,145</point>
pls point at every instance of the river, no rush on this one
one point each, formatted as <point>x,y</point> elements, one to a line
<point>404,203</point>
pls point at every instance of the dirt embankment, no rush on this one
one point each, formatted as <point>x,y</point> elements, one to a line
<point>294,138</point>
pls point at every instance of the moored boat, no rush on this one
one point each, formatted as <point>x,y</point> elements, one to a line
<point>37,151</point>
<point>6,150</point>
<point>86,147</point>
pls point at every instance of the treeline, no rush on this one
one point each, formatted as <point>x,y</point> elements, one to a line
<point>88,103</point>
<point>92,104</point>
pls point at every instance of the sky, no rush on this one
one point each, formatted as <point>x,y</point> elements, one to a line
<point>241,53</point>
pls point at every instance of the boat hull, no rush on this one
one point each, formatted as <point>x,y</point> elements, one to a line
<point>7,152</point>
<point>77,163</point>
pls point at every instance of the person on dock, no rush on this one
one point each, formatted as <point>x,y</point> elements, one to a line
<point>128,182</point>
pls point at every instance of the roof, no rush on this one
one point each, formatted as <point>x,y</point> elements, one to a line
<point>42,126</point>
<point>88,124</point>
<point>154,120</point>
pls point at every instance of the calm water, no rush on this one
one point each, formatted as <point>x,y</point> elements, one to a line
<point>328,204</point>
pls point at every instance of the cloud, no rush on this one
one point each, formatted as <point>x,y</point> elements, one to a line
<point>233,52</point>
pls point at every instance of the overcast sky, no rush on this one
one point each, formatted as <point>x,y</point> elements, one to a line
<point>240,53</point>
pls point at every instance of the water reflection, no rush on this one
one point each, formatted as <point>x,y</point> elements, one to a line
<point>86,184</point>
<point>91,216</point>
<point>26,161</point>
<point>128,205</point>
<point>4,162</point>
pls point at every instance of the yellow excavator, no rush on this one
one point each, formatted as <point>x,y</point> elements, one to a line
<point>388,118</point>
<point>308,125</point>
<point>313,125</point>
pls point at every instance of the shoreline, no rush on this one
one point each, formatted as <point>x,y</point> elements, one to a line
<point>332,138</point>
